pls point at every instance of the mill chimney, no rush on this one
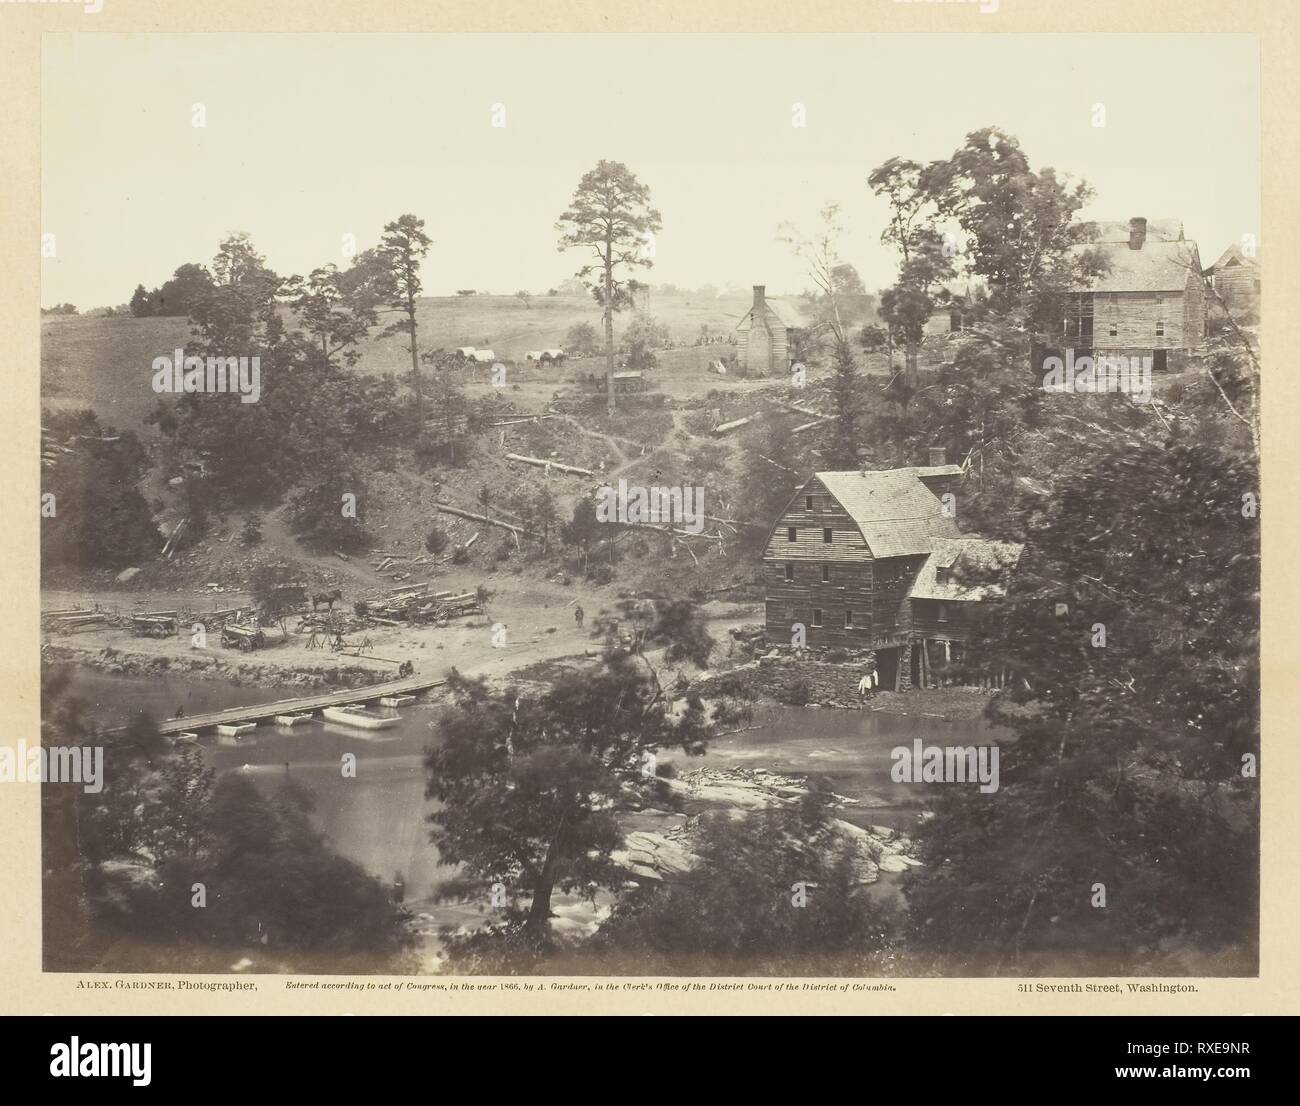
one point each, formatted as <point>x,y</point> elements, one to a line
<point>760,296</point>
<point>938,456</point>
<point>1137,233</point>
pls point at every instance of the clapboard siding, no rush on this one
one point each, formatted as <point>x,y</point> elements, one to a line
<point>846,546</point>
<point>1134,317</point>
<point>791,602</point>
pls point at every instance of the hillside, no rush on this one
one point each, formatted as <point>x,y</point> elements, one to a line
<point>105,363</point>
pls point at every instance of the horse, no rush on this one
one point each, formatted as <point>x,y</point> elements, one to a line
<point>329,598</point>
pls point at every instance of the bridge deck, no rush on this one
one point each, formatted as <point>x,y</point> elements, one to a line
<point>260,712</point>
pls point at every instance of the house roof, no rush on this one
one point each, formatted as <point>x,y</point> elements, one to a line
<point>787,311</point>
<point>1158,230</point>
<point>1157,267</point>
<point>974,569</point>
<point>1233,253</point>
<point>896,513</point>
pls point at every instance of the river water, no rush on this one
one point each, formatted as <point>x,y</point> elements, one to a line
<point>378,818</point>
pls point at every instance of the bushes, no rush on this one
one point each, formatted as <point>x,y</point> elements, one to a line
<point>435,541</point>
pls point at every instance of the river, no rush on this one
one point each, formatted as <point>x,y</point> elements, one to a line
<point>378,818</point>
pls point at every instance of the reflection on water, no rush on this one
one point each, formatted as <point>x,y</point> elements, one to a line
<point>378,817</point>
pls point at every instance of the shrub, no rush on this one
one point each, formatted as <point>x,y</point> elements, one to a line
<point>435,541</point>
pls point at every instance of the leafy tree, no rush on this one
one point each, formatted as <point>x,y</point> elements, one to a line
<point>100,518</point>
<point>581,340</point>
<point>329,508</point>
<point>582,529</point>
<point>529,789</point>
<point>734,913</point>
<point>679,625</point>
<point>926,257</point>
<point>610,215</point>
<point>1131,636</point>
<point>186,289</point>
<point>1018,223</point>
<point>847,281</point>
<point>336,311</point>
<point>643,336</point>
<point>140,305</point>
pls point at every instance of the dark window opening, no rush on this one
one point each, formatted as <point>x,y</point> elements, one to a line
<point>789,572</point>
<point>817,616</point>
<point>826,574</point>
<point>827,535</point>
<point>791,534</point>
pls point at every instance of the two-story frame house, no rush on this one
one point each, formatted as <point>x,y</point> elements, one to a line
<point>1148,302</point>
<point>874,560</point>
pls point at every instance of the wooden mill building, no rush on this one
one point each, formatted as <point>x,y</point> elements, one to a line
<point>1149,301</point>
<point>874,560</point>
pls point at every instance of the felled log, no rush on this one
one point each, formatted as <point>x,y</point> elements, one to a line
<point>735,424</point>
<point>542,462</point>
<point>446,509</point>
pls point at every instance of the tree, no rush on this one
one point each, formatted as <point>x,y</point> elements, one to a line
<point>926,256</point>
<point>337,310</point>
<point>581,340</point>
<point>643,336</point>
<point>679,625</point>
<point>329,509</point>
<point>266,587</point>
<point>529,789</point>
<point>610,214</point>
<point>847,280</point>
<point>180,295</point>
<point>140,305</point>
<point>1131,638</point>
<point>401,250</point>
<point>773,469</point>
<point>846,404</point>
<point>582,529</point>
<point>820,254</point>
<point>734,912</point>
<point>100,517</point>
<point>1018,223</point>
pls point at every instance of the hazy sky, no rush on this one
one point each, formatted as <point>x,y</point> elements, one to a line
<point>310,137</point>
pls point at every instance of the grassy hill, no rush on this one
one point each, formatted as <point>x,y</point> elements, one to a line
<point>106,363</point>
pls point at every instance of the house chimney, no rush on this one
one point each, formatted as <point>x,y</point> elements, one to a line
<point>938,456</point>
<point>760,296</point>
<point>1137,233</point>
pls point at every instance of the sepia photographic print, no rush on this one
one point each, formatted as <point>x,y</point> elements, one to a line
<point>725,508</point>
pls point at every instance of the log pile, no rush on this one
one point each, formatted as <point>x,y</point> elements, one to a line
<point>416,605</point>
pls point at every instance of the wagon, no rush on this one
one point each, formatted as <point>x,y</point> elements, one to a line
<point>246,638</point>
<point>153,625</point>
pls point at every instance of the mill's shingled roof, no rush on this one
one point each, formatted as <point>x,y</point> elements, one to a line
<point>896,513</point>
<point>976,569</point>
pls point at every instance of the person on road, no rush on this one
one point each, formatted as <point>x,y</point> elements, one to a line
<point>578,615</point>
